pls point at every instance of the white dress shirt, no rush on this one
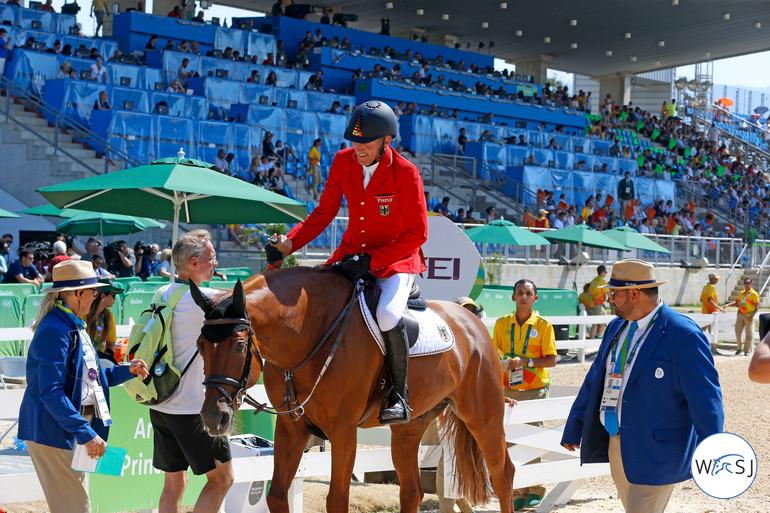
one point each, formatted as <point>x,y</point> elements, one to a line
<point>641,331</point>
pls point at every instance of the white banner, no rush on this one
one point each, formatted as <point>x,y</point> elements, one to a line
<point>452,261</point>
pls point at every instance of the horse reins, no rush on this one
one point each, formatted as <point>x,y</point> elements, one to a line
<point>290,397</point>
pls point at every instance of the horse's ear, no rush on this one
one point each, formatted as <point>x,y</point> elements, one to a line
<point>200,298</point>
<point>239,298</point>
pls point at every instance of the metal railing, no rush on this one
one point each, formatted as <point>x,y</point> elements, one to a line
<point>61,122</point>
<point>720,252</point>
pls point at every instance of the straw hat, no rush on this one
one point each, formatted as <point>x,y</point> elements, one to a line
<point>72,275</point>
<point>632,274</point>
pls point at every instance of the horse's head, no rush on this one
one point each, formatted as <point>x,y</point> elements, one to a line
<point>227,346</point>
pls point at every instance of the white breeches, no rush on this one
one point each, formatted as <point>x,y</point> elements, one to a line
<point>394,293</point>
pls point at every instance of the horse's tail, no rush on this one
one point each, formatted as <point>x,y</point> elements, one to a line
<point>470,468</point>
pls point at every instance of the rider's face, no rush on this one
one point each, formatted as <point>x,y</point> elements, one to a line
<point>368,153</point>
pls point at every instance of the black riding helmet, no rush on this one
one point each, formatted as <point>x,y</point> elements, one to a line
<point>370,121</point>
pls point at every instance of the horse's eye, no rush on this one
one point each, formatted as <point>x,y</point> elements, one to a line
<point>240,347</point>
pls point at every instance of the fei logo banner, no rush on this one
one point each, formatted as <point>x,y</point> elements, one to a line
<point>724,465</point>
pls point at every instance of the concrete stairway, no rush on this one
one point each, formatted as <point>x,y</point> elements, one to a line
<point>753,275</point>
<point>36,162</point>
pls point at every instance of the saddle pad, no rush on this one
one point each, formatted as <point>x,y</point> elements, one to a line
<point>435,335</point>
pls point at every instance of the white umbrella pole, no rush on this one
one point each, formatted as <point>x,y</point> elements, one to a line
<point>174,234</point>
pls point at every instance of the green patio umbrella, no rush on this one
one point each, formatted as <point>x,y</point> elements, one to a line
<point>99,223</point>
<point>633,239</point>
<point>505,232</point>
<point>583,235</point>
<point>5,213</point>
<point>177,189</point>
<point>51,211</point>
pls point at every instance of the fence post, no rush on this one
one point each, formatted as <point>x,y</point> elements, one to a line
<point>582,337</point>
<point>715,330</point>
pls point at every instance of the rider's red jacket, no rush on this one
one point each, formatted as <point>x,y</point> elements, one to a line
<point>388,220</point>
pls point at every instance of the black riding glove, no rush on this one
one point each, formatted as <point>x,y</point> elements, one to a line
<point>272,254</point>
<point>354,267</point>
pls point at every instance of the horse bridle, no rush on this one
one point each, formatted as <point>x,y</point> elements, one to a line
<point>290,397</point>
<point>240,386</point>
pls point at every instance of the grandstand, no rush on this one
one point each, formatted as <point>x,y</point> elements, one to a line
<point>522,138</point>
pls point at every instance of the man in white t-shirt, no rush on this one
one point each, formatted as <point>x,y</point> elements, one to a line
<point>180,440</point>
<point>99,71</point>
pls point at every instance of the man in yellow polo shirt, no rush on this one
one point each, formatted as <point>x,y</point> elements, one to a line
<point>527,346</point>
<point>748,304</point>
<point>597,296</point>
<point>709,303</point>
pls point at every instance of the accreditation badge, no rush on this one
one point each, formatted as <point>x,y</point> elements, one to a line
<point>516,376</point>
<point>612,392</point>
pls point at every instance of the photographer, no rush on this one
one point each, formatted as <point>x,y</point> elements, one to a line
<point>23,270</point>
<point>97,261</point>
<point>4,258</point>
<point>127,260</point>
<point>59,255</point>
<point>145,259</point>
<point>93,247</point>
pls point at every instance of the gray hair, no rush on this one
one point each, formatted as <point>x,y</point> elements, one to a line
<point>191,244</point>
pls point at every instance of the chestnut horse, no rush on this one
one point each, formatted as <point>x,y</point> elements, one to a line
<point>335,385</point>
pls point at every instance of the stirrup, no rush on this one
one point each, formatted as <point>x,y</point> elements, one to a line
<point>397,413</point>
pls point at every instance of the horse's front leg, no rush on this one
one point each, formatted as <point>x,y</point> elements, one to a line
<point>343,439</point>
<point>290,441</point>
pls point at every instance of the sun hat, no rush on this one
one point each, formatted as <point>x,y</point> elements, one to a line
<point>632,274</point>
<point>72,275</point>
<point>106,286</point>
<point>712,276</point>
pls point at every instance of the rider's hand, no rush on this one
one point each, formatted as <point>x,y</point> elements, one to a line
<point>355,267</point>
<point>277,249</point>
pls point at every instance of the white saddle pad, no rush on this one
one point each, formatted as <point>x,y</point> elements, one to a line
<point>435,335</point>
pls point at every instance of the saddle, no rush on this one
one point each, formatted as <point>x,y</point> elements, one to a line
<point>415,302</point>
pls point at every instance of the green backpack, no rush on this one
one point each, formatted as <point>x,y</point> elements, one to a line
<point>150,341</point>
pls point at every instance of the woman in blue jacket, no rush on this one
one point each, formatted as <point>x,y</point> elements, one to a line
<point>67,397</point>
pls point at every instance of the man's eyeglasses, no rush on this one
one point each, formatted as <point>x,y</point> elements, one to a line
<point>94,243</point>
<point>613,292</point>
<point>95,292</point>
<point>747,283</point>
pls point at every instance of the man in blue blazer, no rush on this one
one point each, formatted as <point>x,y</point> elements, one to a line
<point>651,395</point>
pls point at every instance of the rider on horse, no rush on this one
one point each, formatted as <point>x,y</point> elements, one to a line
<point>387,227</point>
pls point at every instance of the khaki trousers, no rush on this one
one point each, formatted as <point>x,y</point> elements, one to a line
<point>743,323</point>
<point>445,505</point>
<point>636,498</point>
<point>528,395</point>
<point>66,490</point>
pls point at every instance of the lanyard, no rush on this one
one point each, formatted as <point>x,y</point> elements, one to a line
<point>526,340</point>
<point>80,323</point>
<point>632,353</point>
<point>92,365</point>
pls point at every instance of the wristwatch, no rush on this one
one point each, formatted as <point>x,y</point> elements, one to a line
<point>530,363</point>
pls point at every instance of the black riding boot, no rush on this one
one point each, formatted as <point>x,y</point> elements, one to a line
<point>395,406</point>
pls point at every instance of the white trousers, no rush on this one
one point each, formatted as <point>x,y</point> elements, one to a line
<point>394,293</point>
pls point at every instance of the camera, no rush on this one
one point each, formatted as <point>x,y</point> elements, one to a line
<point>111,258</point>
<point>43,250</point>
